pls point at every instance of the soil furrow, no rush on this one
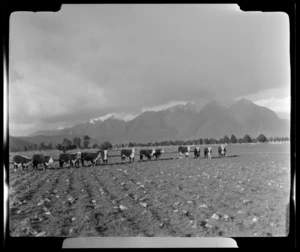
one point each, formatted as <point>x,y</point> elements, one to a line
<point>33,189</point>
<point>70,204</point>
<point>24,181</point>
<point>153,216</point>
<point>118,198</point>
<point>29,206</point>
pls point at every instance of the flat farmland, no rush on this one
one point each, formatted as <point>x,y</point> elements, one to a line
<point>245,194</point>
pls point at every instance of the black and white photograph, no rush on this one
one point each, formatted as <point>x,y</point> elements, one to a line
<point>149,120</point>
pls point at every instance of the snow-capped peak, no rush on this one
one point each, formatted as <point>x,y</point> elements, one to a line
<point>186,107</point>
<point>120,116</point>
<point>59,128</point>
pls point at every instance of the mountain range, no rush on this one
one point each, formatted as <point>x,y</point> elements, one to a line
<point>213,120</point>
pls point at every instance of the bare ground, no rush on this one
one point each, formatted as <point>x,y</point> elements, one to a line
<point>245,194</point>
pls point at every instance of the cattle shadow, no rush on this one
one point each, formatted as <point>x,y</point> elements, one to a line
<point>232,156</point>
<point>204,158</point>
<point>39,170</point>
<point>154,160</point>
<point>164,159</point>
<point>116,163</point>
<point>121,163</point>
<point>55,168</point>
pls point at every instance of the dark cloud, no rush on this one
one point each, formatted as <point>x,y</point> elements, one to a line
<point>88,60</point>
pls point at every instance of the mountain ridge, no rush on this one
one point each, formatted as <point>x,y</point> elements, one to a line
<point>214,120</point>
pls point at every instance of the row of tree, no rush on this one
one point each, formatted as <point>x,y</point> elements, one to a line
<point>66,144</point>
<point>77,143</point>
<point>232,140</point>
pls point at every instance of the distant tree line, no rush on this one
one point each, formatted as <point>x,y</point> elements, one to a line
<point>33,147</point>
<point>205,141</point>
<point>64,146</point>
<point>78,143</point>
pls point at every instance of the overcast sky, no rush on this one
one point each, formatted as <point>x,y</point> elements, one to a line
<point>86,61</point>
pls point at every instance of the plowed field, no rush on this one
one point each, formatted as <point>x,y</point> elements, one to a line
<point>245,194</point>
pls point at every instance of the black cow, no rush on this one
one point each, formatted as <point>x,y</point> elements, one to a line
<point>128,153</point>
<point>147,153</point>
<point>21,162</point>
<point>207,152</point>
<point>197,152</point>
<point>72,158</point>
<point>41,159</point>
<point>222,150</point>
<point>183,150</point>
<point>158,153</point>
<point>92,157</point>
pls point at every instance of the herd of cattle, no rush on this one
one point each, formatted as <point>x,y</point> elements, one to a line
<point>74,158</point>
